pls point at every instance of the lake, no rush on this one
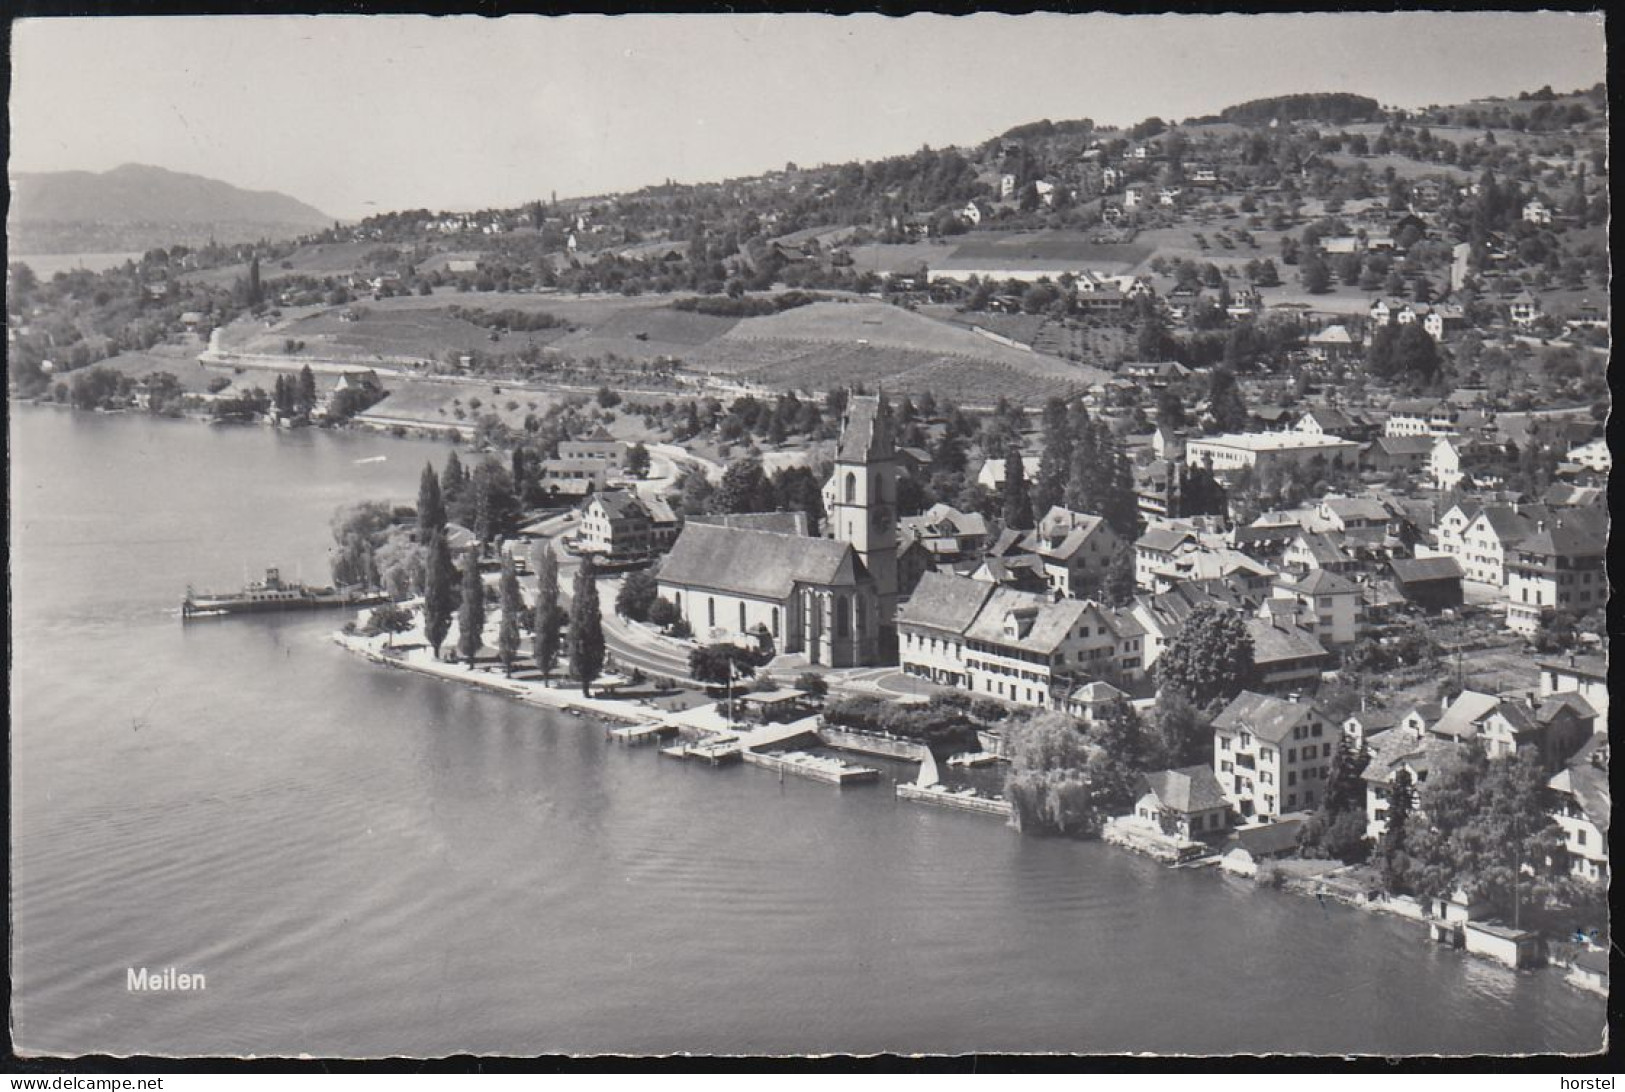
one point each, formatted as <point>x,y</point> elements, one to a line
<point>46,266</point>
<point>363,862</point>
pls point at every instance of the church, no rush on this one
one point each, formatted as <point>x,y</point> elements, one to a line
<point>831,599</point>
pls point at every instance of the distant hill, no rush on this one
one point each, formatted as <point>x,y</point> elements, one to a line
<point>134,207</point>
<point>1334,108</point>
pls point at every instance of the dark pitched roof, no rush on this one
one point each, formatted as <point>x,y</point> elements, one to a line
<point>1189,789</point>
<point>1274,644</point>
<point>945,601</point>
<point>1411,571</point>
<point>783,523</point>
<point>760,564</point>
<point>1269,839</point>
<point>1265,716</point>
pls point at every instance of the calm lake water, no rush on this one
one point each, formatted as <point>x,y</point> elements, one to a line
<point>46,266</point>
<point>365,863</point>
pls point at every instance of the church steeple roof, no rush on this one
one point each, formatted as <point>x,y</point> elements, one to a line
<point>865,431</point>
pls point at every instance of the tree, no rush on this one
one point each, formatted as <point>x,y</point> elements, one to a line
<point>256,293</point>
<point>1401,803</point>
<point>1120,751</point>
<point>1211,660</point>
<point>1118,586</point>
<point>471,615</point>
<point>390,618</point>
<point>307,390</point>
<point>663,613</point>
<point>1048,781</point>
<point>1224,401</point>
<point>1056,462</point>
<point>716,664</point>
<point>1171,409</point>
<point>637,461</point>
<point>1337,828</point>
<point>1184,735</point>
<point>549,617</point>
<point>744,488</point>
<point>812,684</point>
<point>359,530</point>
<point>431,508</point>
<point>494,508</point>
<point>1018,505</point>
<point>513,606</point>
<point>439,593</point>
<point>637,595</point>
<point>453,484</point>
<point>1118,504</point>
<point>586,628</point>
<point>1315,274</point>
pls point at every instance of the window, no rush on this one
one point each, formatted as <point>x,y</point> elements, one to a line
<point>743,625</point>
<point>1580,837</point>
<point>1292,754</point>
<point>775,621</point>
<point>843,624</point>
<point>711,612</point>
<point>851,487</point>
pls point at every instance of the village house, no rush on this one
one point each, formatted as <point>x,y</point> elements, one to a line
<point>1094,700</point>
<point>1314,551</point>
<point>1581,803</point>
<point>1504,724</point>
<point>1272,755</point>
<point>1594,455</point>
<point>1536,211</point>
<point>1442,320</point>
<point>1186,803</point>
<point>1333,345</point>
<point>1156,550</point>
<point>1585,675</point>
<point>1323,603</point>
<point>1422,417</point>
<point>1400,748</point>
<point>1480,538</point>
<point>1524,310</point>
<point>1407,454</point>
<point>1455,460</point>
<point>619,525</point>
<point>948,534</point>
<point>1559,567</point>
<point>1021,647</point>
<point>1076,549</point>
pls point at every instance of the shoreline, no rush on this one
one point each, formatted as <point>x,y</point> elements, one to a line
<point>619,712</point>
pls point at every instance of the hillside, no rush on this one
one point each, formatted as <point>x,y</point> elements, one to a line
<point>134,207</point>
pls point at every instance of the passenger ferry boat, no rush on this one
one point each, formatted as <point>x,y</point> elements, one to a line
<point>274,594</point>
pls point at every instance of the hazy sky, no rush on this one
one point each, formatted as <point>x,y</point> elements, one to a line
<point>363,114</point>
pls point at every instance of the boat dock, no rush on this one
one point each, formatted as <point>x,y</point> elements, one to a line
<point>715,751</point>
<point>636,735</point>
<point>831,771</point>
<point>959,799</point>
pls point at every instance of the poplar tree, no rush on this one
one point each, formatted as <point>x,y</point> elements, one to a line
<point>1056,464</point>
<point>307,390</point>
<point>548,615</point>
<point>1018,505</point>
<point>513,605</point>
<point>431,507</point>
<point>586,628</point>
<point>439,593</point>
<point>471,618</point>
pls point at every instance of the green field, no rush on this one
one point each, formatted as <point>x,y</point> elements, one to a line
<point>1058,246</point>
